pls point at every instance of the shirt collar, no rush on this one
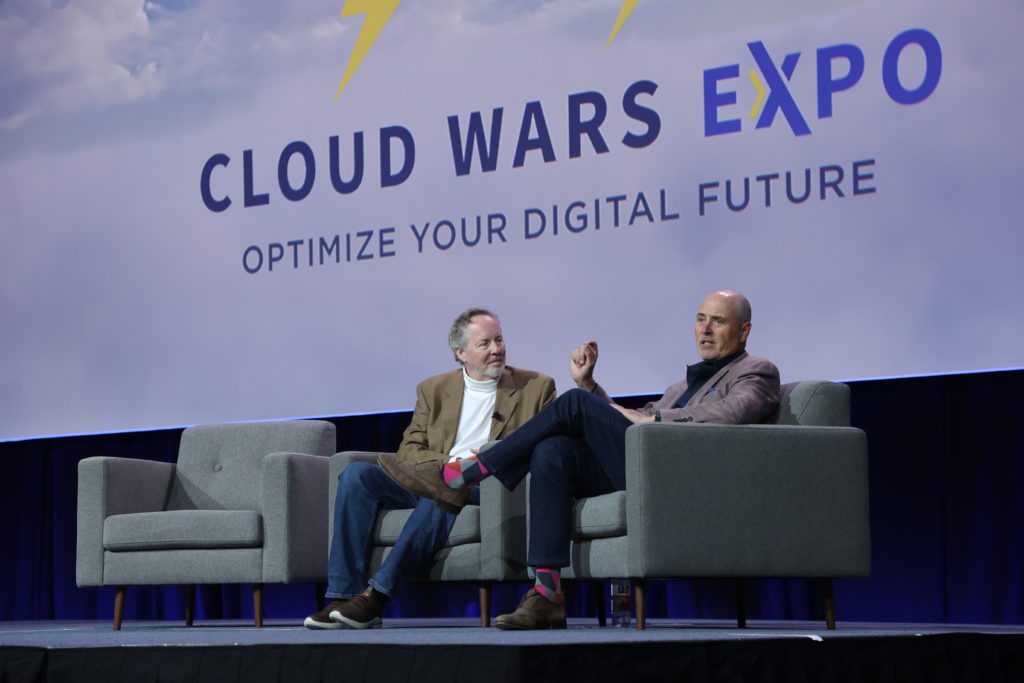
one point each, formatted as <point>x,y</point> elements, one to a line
<point>489,386</point>
<point>704,370</point>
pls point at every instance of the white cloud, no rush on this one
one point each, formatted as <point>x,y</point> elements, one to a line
<point>99,54</point>
<point>86,53</point>
<point>105,55</point>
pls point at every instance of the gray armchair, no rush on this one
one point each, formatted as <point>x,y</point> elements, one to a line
<point>786,499</point>
<point>244,503</point>
<point>486,545</point>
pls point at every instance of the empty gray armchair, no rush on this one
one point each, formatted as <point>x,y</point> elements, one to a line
<point>487,544</point>
<point>785,499</point>
<point>245,503</point>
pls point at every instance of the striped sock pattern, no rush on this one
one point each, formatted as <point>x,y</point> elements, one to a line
<point>548,583</point>
<point>464,472</point>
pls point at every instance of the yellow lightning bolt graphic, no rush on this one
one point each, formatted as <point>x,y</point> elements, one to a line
<point>627,8</point>
<point>378,13</point>
<point>759,100</point>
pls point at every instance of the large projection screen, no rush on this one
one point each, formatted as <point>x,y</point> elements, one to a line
<point>251,210</point>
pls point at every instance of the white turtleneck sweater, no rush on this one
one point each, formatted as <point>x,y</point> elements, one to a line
<point>475,418</point>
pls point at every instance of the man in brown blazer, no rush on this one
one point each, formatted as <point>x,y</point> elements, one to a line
<point>455,414</point>
<point>576,446</point>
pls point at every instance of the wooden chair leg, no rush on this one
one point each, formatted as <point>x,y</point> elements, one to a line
<point>257,603</point>
<point>190,604</point>
<point>118,607</point>
<point>320,589</point>
<point>741,604</point>
<point>599,594</point>
<point>640,599</point>
<point>830,609</point>
<point>485,605</point>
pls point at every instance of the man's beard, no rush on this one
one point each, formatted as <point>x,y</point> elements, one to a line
<point>494,372</point>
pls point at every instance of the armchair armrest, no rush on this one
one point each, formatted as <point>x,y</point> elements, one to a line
<point>113,486</point>
<point>294,509</point>
<point>502,531</point>
<point>747,500</point>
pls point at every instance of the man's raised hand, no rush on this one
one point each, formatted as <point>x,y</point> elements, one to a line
<point>581,364</point>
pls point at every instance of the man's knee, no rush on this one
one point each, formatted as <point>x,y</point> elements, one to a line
<point>575,403</point>
<point>356,476</point>
<point>428,514</point>
<point>575,396</point>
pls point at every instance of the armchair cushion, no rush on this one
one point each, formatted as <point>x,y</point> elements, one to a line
<point>180,529</point>
<point>600,516</point>
<point>390,523</point>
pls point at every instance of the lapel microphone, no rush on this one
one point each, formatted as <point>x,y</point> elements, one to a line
<point>498,416</point>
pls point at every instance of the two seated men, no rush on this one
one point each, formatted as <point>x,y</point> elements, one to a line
<point>573,446</point>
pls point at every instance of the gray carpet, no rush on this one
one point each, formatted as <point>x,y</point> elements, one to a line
<point>89,634</point>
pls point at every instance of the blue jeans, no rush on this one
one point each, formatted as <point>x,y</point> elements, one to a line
<point>574,448</point>
<point>363,490</point>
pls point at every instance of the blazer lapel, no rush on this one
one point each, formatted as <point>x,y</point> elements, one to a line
<point>718,377</point>
<point>505,403</point>
<point>673,394</point>
<point>451,409</point>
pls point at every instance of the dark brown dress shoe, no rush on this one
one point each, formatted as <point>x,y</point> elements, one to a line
<point>535,612</point>
<point>425,480</point>
<point>362,611</point>
<point>322,619</point>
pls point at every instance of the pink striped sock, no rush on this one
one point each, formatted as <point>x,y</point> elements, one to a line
<point>464,472</point>
<point>548,583</point>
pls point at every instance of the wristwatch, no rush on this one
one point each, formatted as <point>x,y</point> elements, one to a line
<point>657,416</point>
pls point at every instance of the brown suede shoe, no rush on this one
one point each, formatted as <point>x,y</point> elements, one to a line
<point>535,612</point>
<point>424,479</point>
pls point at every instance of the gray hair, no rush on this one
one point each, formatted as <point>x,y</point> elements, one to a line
<point>457,336</point>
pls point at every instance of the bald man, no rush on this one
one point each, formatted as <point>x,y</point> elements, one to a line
<point>575,447</point>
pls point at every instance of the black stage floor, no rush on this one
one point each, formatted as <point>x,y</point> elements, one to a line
<point>459,650</point>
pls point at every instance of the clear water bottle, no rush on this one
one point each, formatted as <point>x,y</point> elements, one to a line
<point>620,602</point>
